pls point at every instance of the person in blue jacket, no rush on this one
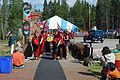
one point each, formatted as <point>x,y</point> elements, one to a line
<point>12,39</point>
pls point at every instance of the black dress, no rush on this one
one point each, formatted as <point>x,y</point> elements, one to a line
<point>28,51</point>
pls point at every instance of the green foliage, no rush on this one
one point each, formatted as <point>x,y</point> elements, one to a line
<point>78,14</point>
<point>45,11</point>
<point>11,17</point>
<point>96,69</point>
<point>107,14</point>
<point>64,9</point>
<point>16,17</point>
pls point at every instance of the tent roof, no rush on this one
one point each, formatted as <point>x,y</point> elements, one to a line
<point>65,25</point>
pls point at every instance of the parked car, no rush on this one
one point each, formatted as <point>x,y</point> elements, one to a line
<point>95,35</point>
<point>110,33</point>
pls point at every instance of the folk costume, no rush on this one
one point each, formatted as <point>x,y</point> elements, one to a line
<point>47,44</point>
<point>55,46</point>
<point>61,47</point>
<point>35,44</point>
<point>40,49</point>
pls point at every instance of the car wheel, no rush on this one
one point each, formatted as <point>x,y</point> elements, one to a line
<point>84,40</point>
<point>101,41</point>
<point>92,41</point>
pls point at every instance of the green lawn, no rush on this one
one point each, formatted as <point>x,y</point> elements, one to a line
<point>96,69</point>
<point>4,50</point>
<point>3,41</point>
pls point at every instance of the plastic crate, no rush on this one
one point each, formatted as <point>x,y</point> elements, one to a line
<point>5,64</point>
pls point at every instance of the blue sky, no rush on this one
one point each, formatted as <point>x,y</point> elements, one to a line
<point>39,3</point>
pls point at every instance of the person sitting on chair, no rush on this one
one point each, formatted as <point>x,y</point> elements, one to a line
<point>18,59</point>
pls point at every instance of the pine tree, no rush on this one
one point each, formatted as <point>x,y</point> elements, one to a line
<point>64,9</point>
<point>16,17</point>
<point>54,8</point>
<point>76,13</point>
<point>58,9</point>
<point>114,14</point>
<point>51,9</point>
<point>45,11</point>
<point>93,16</point>
<point>4,18</point>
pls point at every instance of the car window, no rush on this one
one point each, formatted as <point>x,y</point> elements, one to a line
<point>91,33</point>
<point>99,32</point>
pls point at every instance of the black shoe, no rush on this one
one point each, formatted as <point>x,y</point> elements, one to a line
<point>60,58</point>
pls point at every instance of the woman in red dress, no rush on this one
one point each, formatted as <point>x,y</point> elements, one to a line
<point>40,49</point>
<point>42,42</point>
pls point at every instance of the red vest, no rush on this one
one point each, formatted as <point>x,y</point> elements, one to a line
<point>35,40</point>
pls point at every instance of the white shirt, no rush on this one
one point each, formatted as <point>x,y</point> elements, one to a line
<point>19,44</point>
<point>109,58</point>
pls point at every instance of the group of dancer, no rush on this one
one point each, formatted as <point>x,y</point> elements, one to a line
<point>58,45</point>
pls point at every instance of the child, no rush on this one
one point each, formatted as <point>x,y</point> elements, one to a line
<point>19,45</point>
<point>113,73</point>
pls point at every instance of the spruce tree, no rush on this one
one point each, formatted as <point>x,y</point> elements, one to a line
<point>45,11</point>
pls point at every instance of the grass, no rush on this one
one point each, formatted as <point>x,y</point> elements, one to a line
<point>3,41</point>
<point>96,69</point>
<point>4,49</point>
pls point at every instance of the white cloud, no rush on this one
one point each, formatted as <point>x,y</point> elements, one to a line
<point>35,2</point>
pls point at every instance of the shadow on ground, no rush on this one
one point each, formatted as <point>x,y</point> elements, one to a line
<point>85,73</point>
<point>96,74</point>
<point>76,61</point>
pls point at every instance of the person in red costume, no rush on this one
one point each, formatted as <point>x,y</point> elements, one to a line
<point>61,46</point>
<point>47,43</point>
<point>42,42</point>
<point>55,45</point>
<point>35,43</point>
<point>40,48</point>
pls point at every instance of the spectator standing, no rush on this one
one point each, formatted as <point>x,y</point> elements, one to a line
<point>67,41</point>
<point>12,39</point>
<point>91,51</point>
